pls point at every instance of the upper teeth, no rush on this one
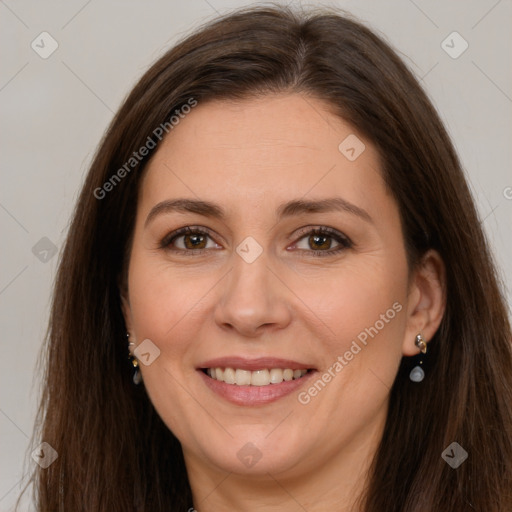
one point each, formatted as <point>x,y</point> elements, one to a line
<point>256,378</point>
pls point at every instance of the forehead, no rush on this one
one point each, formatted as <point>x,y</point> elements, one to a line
<point>273,146</point>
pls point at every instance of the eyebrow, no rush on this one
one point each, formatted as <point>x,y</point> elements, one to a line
<point>289,209</point>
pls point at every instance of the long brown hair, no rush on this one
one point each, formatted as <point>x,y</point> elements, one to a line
<point>114,451</point>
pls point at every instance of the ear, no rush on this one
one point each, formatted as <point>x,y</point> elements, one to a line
<point>426,301</point>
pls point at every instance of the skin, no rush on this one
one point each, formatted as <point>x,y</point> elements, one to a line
<point>249,157</point>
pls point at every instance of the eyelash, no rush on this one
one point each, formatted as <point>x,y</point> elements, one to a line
<point>343,240</point>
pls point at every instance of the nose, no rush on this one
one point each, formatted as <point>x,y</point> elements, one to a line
<point>253,300</point>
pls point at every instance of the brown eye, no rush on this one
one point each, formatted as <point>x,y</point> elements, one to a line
<point>323,242</point>
<point>194,241</point>
<point>319,242</point>
<point>189,240</point>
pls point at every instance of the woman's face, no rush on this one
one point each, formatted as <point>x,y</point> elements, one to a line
<point>294,260</point>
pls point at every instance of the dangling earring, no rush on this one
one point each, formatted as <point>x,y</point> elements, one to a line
<point>137,377</point>
<point>417,374</point>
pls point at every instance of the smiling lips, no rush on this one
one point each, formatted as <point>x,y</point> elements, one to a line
<point>254,381</point>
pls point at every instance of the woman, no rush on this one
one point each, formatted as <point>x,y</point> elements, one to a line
<point>277,236</point>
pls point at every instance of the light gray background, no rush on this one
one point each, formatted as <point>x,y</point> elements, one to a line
<point>55,110</point>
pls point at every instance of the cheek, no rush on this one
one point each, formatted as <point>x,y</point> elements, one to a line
<point>163,301</point>
<point>353,298</point>
<point>362,309</point>
<point>166,307</point>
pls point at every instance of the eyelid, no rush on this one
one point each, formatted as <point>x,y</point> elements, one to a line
<point>325,230</point>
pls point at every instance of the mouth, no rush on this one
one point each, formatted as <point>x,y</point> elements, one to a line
<point>254,381</point>
<point>262,377</point>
